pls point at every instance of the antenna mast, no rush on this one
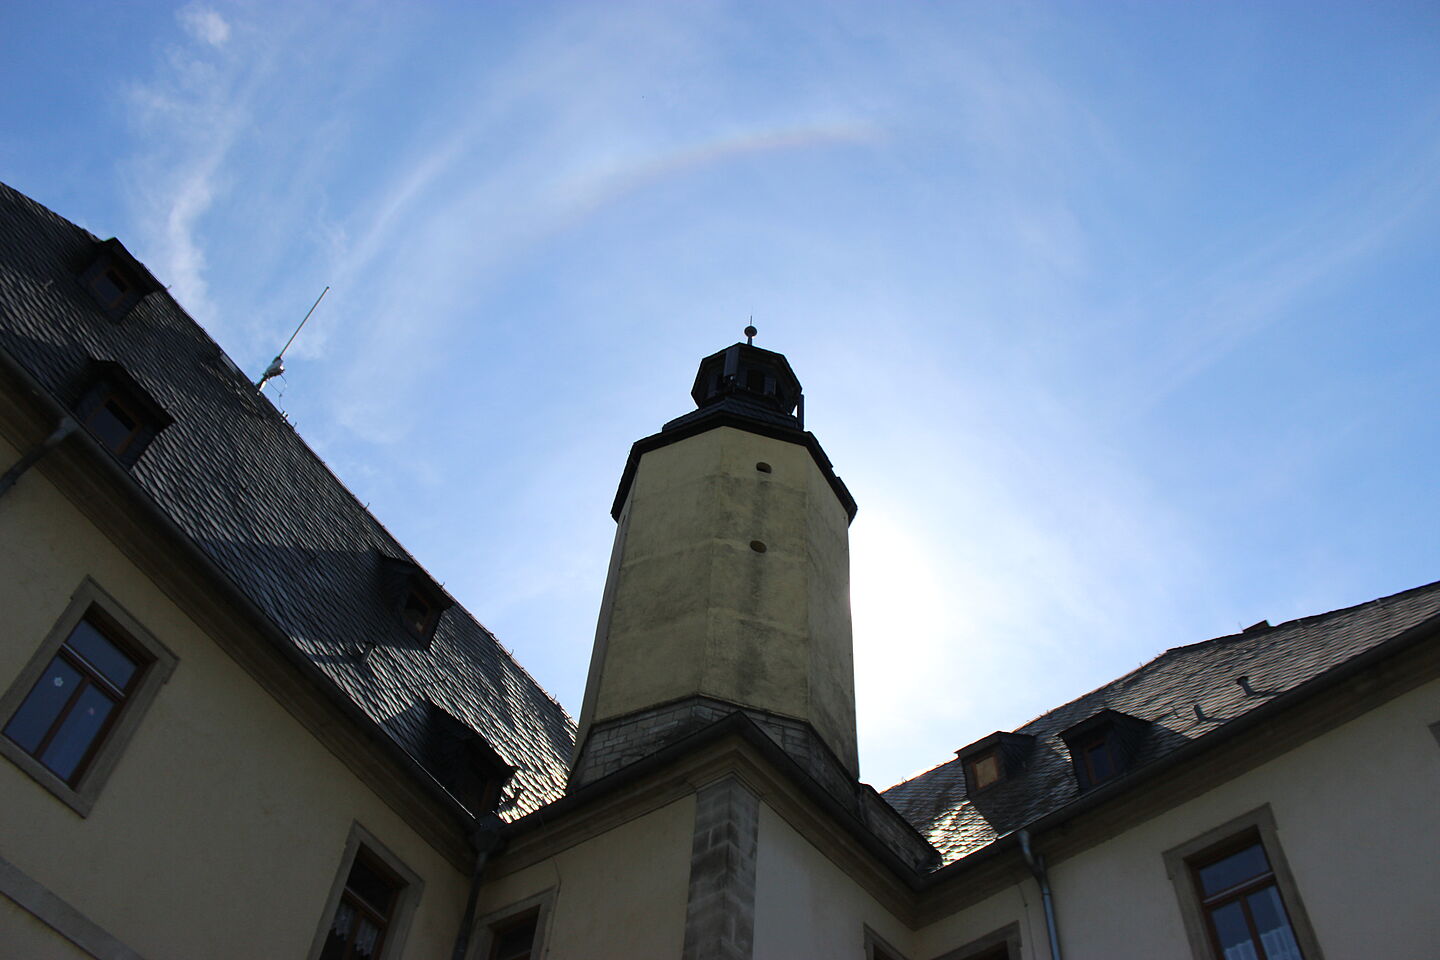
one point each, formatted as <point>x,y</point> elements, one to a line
<point>277,366</point>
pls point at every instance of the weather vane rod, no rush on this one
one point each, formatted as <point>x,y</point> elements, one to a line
<point>277,366</point>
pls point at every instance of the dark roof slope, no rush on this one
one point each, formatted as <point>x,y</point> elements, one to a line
<point>237,478</point>
<point>1165,692</point>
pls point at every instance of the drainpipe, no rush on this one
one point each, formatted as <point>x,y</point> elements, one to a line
<point>63,429</point>
<point>487,841</point>
<point>1036,863</point>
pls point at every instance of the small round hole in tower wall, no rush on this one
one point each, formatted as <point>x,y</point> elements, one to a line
<point>757,546</point>
<point>763,467</point>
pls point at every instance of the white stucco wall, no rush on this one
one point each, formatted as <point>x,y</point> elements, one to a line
<point>220,832</point>
<point>693,609</point>
<point>21,935</point>
<point>617,896</point>
<point>806,907</point>
<point>1358,821</point>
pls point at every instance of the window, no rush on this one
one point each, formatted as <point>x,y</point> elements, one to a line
<point>419,615</point>
<point>1104,746</point>
<point>110,287</point>
<point>1002,952</point>
<point>1242,906</point>
<point>515,939</point>
<point>464,763</point>
<point>114,423</point>
<point>118,413</point>
<point>370,906</point>
<point>1096,759</point>
<point>116,280</point>
<point>1000,756</point>
<point>78,701</point>
<point>517,932</point>
<point>983,770</point>
<point>65,715</point>
<point>877,948</point>
<point>1237,896</point>
<point>362,918</point>
<point>417,600</point>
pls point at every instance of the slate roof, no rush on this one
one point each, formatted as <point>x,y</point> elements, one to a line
<point>1165,692</point>
<point>237,478</point>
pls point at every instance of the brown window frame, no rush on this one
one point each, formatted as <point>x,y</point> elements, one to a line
<point>90,677</point>
<point>1237,893</point>
<point>363,846</point>
<point>1119,736</point>
<point>972,768</point>
<point>381,916</point>
<point>111,258</point>
<point>488,927</point>
<point>1183,862</point>
<point>106,382</point>
<point>1084,752</point>
<point>154,665</point>
<point>1010,750</point>
<point>128,408</point>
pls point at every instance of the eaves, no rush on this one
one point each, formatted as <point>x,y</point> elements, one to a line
<point>92,480</point>
<point>1289,720</point>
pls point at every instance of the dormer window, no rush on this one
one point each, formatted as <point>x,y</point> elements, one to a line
<point>983,770</point>
<point>418,613</point>
<point>417,600</point>
<point>464,763</point>
<point>1097,758</point>
<point>116,280</point>
<point>111,287</point>
<point>1104,746</point>
<point>1000,756</point>
<point>118,412</point>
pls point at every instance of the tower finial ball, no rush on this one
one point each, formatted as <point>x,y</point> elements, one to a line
<point>750,334</point>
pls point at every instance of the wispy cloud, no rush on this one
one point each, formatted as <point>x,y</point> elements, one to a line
<point>204,24</point>
<point>186,119</point>
<point>1215,311</point>
<point>915,205</point>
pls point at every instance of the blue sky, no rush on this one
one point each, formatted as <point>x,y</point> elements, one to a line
<point>1117,318</point>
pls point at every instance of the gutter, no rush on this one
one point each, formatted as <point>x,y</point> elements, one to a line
<point>63,429</point>
<point>741,726</point>
<point>105,464</point>
<point>1336,676</point>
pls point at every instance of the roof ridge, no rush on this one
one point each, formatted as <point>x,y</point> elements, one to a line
<point>1307,621</point>
<point>267,407</point>
<point>1433,586</point>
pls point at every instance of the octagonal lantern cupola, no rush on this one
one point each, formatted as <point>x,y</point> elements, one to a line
<point>751,375</point>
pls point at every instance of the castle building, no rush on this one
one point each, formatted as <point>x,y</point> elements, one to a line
<point>239,720</point>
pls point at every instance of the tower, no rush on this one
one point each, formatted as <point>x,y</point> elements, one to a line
<point>728,586</point>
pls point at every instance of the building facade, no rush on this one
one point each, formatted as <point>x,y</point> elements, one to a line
<point>239,720</point>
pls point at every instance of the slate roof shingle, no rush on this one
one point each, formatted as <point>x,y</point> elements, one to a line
<point>1165,692</point>
<point>235,476</point>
